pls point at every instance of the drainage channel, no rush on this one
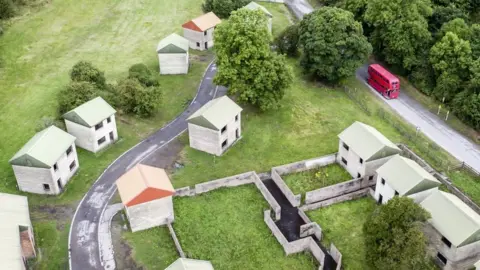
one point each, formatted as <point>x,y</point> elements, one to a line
<point>290,222</point>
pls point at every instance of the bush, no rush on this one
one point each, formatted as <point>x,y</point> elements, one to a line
<point>85,72</point>
<point>466,106</point>
<point>75,94</point>
<point>46,122</point>
<point>7,9</point>
<point>287,41</point>
<point>143,74</point>
<point>134,98</point>
<point>223,8</point>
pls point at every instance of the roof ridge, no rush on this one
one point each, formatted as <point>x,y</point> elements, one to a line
<point>139,166</point>
<point>48,129</point>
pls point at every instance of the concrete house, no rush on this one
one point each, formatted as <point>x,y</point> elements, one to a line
<point>254,6</point>
<point>146,193</point>
<point>362,149</point>
<point>93,124</point>
<point>453,231</point>
<point>46,163</point>
<point>403,177</point>
<point>173,55</point>
<point>199,31</point>
<point>190,264</point>
<point>17,243</point>
<point>215,126</point>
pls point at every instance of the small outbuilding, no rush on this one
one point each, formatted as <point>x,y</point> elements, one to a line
<point>190,264</point>
<point>46,163</point>
<point>17,242</point>
<point>93,124</point>
<point>254,6</point>
<point>173,55</point>
<point>199,31</point>
<point>403,177</point>
<point>146,193</point>
<point>453,231</point>
<point>215,126</point>
<point>362,149</point>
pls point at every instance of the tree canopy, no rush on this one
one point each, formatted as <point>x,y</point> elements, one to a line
<point>75,94</point>
<point>85,72</point>
<point>223,8</point>
<point>246,64</point>
<point>133,97</point>
<point>333,44</point>
<point>287,41</point>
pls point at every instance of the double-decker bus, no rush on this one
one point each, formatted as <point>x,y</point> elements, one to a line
<point>383,81</point>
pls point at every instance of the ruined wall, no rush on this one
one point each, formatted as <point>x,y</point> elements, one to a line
<point>347,197</point>
<point>295,200</point>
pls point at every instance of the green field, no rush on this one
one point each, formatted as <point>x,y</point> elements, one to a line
<point>310,180</point>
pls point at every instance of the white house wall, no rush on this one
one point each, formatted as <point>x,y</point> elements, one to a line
<point>230,133</point>
<point>385,190</point>
<point>200,37</point>
<point>87,138</point>
<point>31,179</point>
<point>173,63</point>
<point>150,214</point>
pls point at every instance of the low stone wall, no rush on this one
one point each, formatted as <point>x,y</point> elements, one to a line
<point>273,227</point>
<point>335,190</point>
<point>295,200</point>
<point>306,164</point>
<point>231,181</point>
<point>336,255</point>
<point>185,191</point>
<point>309,228</point>
<point>268,196</point>
<point>273,1</point>
<point>175,240</point>
<point>347,197</point>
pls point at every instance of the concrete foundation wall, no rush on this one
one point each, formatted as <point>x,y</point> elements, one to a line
<point>268,196</point>
<point>232,181</point>
<point>295,200</point>
<point>87,138</point>
<point>185,191</point>
<point>336,255</point>
<point>305,165</point>
<point>200,37</point>
<point>150,214</point>
<point>311,228</point>
<point>336,190</point>
<point>347,197</point>
<point>173,63</point>
<point>175,240</point>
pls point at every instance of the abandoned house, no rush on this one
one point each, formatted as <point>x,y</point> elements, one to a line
<point>362,149</point>
<point>199,31</point>
<point>146,194</point>
<point>93,124</point>
<point>254,6</point>
<point>215,126</point>
<point>403,177</point>
<point>46,163</point>
<point>17,243</point>
<point>173,55</point>
<point>453,231</point>
<point>190,264</point>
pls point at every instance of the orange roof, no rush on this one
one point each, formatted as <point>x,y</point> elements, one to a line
<point>202,23</point>
<point>142,184</point>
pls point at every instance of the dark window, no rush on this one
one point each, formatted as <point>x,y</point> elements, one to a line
<point>380,198</point>
<point>361,160</point>
<point>383,181</point>
<point>72,165</point>
<point>111,135</point>
<point>224,144</point>
<point>346,146</point>
<point>370,177</point>
<point>396,193</point>
<point>442,258</point>
<point>236,117</point>
<point>237,133</point>
<point>204,33</point>
<point>69,150</point>
<point>109,119</point>
<point>344,161</point>
<point>102,140</point>
<point>46,187</point>
<point>99,126</point>
<point>55,167</point>
<point>359,175</point>
<point>223,129</point>
<point>198,44</point>
<point>59,183</point>
<point>445,240</point>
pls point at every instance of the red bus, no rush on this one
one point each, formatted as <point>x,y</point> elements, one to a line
<point>383,81</point>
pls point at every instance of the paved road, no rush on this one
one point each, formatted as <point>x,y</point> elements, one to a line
<point>299,7</point>
<point>83,239</point>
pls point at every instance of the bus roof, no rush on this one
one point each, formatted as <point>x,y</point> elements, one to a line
<point>387,75</point>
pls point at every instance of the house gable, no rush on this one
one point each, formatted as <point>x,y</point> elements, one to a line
<point>149,194</point>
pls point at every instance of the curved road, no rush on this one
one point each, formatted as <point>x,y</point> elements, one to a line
<point>83,238</point>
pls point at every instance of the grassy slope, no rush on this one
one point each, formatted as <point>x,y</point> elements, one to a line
<point>281,16</point>
<point>310,180</point>
<point>342,224</point>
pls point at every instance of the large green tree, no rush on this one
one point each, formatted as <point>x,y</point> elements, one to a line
<point>401,30</point>
<point>133,97</point>
<point>84,71</point>
<point>393,235</point>
<point>333,44</point>
<point>223,8</point>
<point>457,26</point>
<point>75,94</point>
<point>246,64</point>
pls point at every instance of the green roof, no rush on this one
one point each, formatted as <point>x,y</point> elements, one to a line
<point>452,218</point>
<point>90,113</point>
<point>406,176</point>
<point>173,44</point>
<point>190,264</point>
<point>255,6</point>
<point>44,149</point>
<point>367,142</point>
<point>216,113</point>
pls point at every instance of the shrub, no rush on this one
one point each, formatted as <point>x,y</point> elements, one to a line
<point>134,98</point>
<point>75,94</point>
<point>287,41</point>
<point>7,9</point>
<point>85,72</point>
<point>143,74</point>
<point>46,122</point>
<point>223,8</point>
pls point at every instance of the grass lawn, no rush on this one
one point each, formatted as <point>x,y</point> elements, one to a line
<point>281,16</point>
<point>51,243</point>
<point>342,224</point>
<point>310,180</point>
<point>468,183</point>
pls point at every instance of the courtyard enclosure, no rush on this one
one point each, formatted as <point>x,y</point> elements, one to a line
<point>173,55</point>
<point>216,126</point>
<point>17,243</point>
<point>402,176</point>
<point>46,162</point>
<point>199,31</point>
<point>254,6</point>
<point>146,193</point>
<point>93,124</point>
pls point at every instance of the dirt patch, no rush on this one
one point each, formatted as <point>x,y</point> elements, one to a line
<point>63,214</point>
<point>122,251</point>
<point>166,156</point>
<point>200,58</point>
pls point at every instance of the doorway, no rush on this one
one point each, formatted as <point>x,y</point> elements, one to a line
<point>237,133</point>
<point>380,199</point>
<point>206,45</point>
<point>59,183</point>
<point>111,135</point>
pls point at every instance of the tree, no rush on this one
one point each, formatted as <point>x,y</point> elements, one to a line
<point>466,105</point>
<point>75,94</point>
<point>456,26</point>
<point>246,65</point>
<point>143,74</point>
<point>393,236</point>
<point>443,14</point>
<point>134,98</point>
<point>7,9</point>
<point>475,40</point>
<point>85,72</point>
<point>401,30</point>
<point>287,41</point>
<point>333,44</point>
<point>223,8</point>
